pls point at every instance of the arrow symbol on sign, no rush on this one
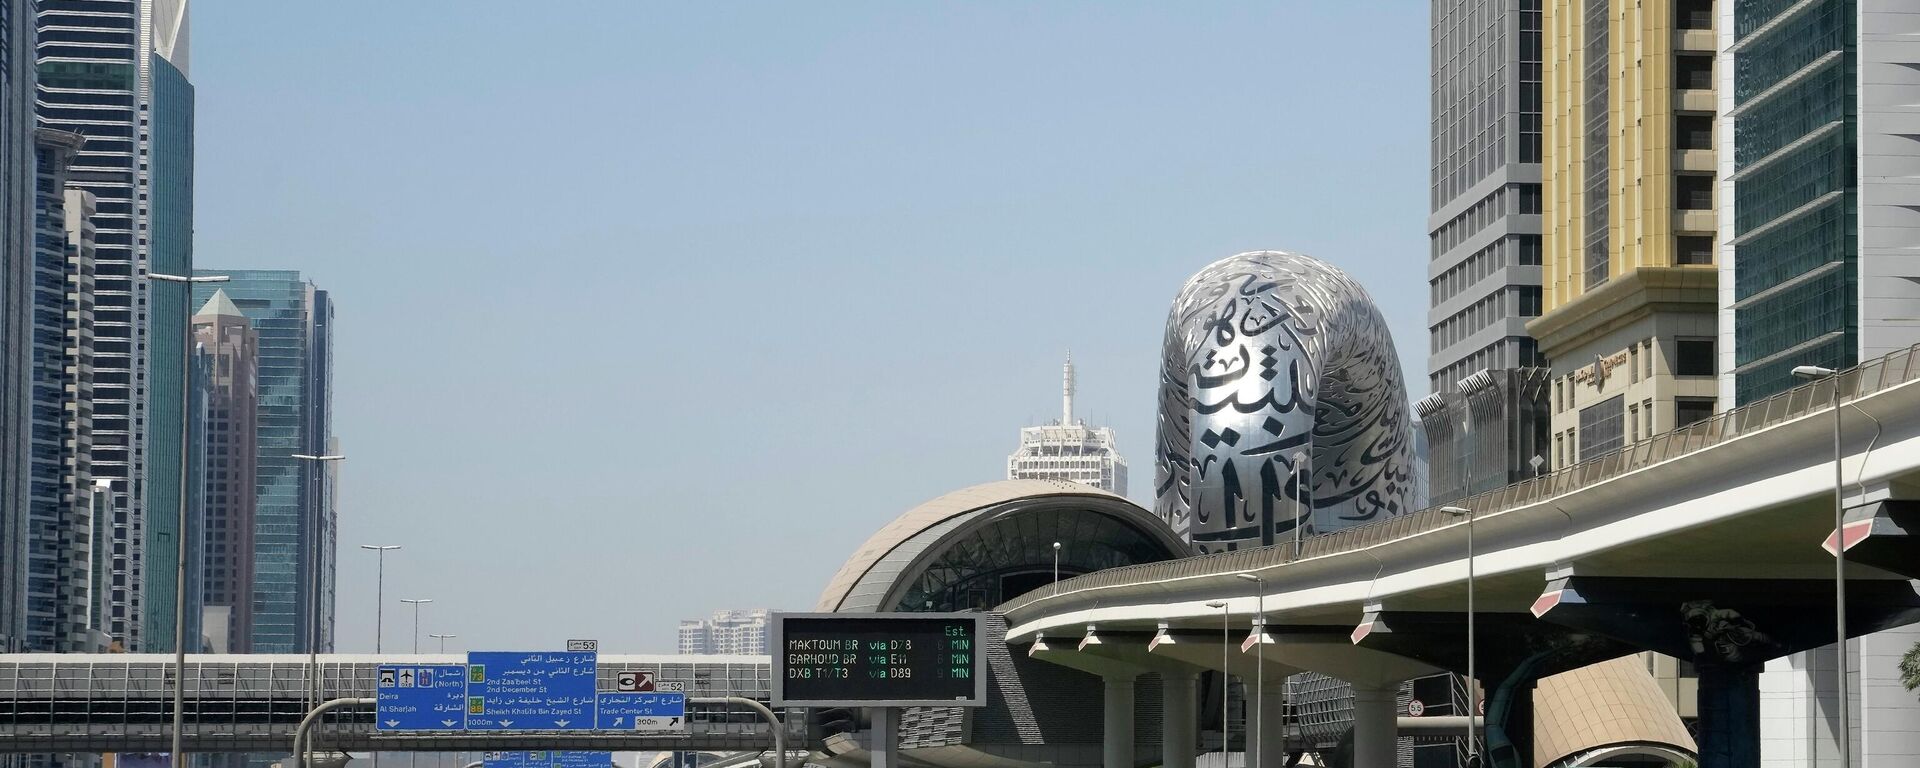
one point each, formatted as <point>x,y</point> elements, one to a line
<point>447,723</point>
<point>562,723</point>
<point>506,723</point>
<point>616,721</point>
<point>672,721</point>
<point>392,723</point>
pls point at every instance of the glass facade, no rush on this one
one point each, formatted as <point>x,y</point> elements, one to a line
<point>170,251</point>
<point>91,71</point>
<point>1796,194</point>
<point>1485,127</point>
<point>16,296</point>
<point>292,509</point>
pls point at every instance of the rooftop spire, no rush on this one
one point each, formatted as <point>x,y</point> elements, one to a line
<point>1066,392</point>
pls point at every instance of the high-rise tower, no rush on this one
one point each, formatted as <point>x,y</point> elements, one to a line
<point>1068,449</point>
<point>16,256</point>
<point>115,71</point>
<point>1485,419</point>
<point>232,348</point>
<point>1629,320</point>
<point>1817,209</point>
<point>294,513</point>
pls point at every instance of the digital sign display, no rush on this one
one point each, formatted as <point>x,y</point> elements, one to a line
<point>878,660</point>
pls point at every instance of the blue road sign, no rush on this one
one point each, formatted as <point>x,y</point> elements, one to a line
<point>582,759</point>
<point>516,760</point>
<point>530,691</point>
<point>416,697</point>
<point>642,711</point>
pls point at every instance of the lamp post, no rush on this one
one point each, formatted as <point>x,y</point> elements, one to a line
<point>313,586</point>
<point>180,531</point>
<point>1225,729</point>
<point>1473,677</point>
<point>1259,665</point>
<point>416,602</point>
<point>1300,496</point>
<point>443,640</point>
<point>379,590</point>
<point>1056,568</point>
<point>1842,684</point>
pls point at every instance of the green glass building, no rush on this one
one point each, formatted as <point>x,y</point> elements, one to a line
<point>1816,156</point>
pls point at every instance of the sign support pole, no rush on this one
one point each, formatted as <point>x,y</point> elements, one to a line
<point>886,737</point>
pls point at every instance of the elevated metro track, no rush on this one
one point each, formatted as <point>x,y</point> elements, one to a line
<point>1746,494</point>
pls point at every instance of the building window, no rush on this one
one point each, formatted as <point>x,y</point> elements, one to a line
<point>1693,14</point>
<point>1602,427</point>
<point>1693,192</point>
<point>1559,451</point>
<point>1633,423</point>
<point>1690,410</point>
<point>1633,363</point>
<point>1646,354</point>
<point>1693,249</point>
<point>1693,132</point>
<point>1693,357</point>
<point>1693,73</point>
<point>1646,412</point>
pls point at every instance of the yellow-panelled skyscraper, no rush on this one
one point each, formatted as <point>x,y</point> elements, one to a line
<point>1628,179</point>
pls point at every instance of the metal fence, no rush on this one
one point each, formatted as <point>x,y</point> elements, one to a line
<point>1854,383</point>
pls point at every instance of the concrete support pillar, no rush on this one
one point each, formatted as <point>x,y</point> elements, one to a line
<point>1179,706</point>
<point>1729,715</point>
<point>1272,712</point>
<point>1376,732</point>
<point>1116,745</point>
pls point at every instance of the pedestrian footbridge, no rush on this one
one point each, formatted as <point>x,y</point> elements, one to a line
<point>251,703</point>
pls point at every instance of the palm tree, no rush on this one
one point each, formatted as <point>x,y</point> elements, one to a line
<point>1910,668</point>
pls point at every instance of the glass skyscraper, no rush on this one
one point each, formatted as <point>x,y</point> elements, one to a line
<point>293,540</point>
<point>16,256</point>
<point>1817,236</point>
<point>1483,269</point>
<point>115,71</point>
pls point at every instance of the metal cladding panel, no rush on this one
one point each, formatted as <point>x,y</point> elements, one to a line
<point>1274,364</point>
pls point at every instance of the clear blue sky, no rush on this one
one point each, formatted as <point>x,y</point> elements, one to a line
<point>646,310</point>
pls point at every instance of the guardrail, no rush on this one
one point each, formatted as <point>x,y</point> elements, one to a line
<point>1859,381</point>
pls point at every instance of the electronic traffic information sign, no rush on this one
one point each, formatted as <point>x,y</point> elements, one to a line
<point>878,660</point>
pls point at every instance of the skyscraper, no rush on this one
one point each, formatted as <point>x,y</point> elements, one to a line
<point>293,505</point>
<point>1484,267</point>
<point>1816,243</point>
<point>1816,161</point>
<point>228,341</point>
<point>1068,449</point>
<point>59,527</point>
<point>115,72</point>
<point>1629,320</point>
<point>16,256</point>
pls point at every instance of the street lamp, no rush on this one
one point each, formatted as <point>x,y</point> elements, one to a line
<point>416,602</point>
<point>1259,664</point>
<point>1056,568</point>
<point>379,590</point>
<point>1473,677</point>
<point>443,640</point>
<point>1300,496</point>
<point>180,532</point>
<point>1842,685</point>
<point>313,578</point>
<point>1225,730</point>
